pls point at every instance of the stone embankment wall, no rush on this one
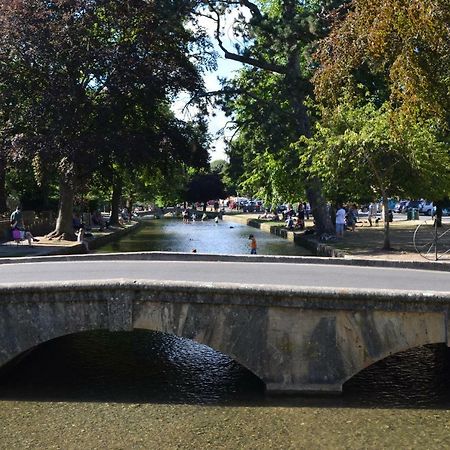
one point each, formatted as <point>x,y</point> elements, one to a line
<point>309,242</point>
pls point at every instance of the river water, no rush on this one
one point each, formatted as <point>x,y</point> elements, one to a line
<point>151,390</point>
<point>205,237</point>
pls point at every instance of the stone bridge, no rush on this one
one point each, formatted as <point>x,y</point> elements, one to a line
<point>295,339</point>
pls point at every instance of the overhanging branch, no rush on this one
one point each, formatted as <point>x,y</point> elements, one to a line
<point>272,67</point>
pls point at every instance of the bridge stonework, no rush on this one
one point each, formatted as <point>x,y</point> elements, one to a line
<point>295,340</point>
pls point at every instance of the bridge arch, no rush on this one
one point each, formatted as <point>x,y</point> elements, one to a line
<point>412,373</point>
<point>150,366</point>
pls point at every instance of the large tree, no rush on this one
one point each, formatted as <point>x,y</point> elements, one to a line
<point>396,49</point>
<point>204,187</point>
<point>268,98</point>
<point>361,150</point>
<point>383,84</point>
<point>83,64</point>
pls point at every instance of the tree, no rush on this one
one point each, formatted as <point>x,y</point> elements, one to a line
<point>268,98</point>
<point>204,187</point>
<point>71,61</point>
<point>391,61</point>
<point>396,49</point>
<point>366,150</point>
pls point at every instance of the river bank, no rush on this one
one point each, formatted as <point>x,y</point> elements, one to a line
<point>81,425</point>
<point>364,243</point>
<point>46,247</point>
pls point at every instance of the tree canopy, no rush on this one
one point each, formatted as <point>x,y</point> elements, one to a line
<point>93,82</point>
<point>397,49</point>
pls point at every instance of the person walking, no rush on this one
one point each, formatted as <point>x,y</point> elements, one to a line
<point>253,244</point>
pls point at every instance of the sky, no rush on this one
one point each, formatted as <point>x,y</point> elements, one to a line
<point>226,68</point>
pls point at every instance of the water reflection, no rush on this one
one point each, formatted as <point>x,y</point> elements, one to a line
<point>171,235</point>
<point>150,367</point>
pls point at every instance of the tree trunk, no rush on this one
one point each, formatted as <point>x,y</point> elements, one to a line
<point>322,219</point>
<point>3,205</point>
<point>115,200</point>
<point>318,205</point>
<point>64,224</point>
<point>387,238</point>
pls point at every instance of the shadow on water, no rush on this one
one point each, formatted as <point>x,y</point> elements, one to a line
<point>150,367</point>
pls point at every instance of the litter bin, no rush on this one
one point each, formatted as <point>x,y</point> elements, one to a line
<point>412,214</point>
<point>409,214</point>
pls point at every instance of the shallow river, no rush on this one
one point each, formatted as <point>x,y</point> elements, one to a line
<point>149,390</point>
<point>205,237</point>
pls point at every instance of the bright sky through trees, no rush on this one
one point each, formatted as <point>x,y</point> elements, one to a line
<point>225,69</point>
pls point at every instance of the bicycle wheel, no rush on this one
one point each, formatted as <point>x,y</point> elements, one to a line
<point>432,243</point>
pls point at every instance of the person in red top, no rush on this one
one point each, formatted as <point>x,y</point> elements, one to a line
<point>252,244</point>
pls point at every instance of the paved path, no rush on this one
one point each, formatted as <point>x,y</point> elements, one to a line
<point>242,273</point>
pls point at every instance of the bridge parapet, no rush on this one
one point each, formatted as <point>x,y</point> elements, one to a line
<point>295,340</point>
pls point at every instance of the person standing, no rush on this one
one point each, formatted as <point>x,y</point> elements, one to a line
<point>372,212</point>
<point>352,217</point>
<point>253,244</point>
<point>17,218</point>
<point>340,221</point>
<point>301,216</point>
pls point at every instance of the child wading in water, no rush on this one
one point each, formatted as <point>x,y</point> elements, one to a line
<point>252,244</point>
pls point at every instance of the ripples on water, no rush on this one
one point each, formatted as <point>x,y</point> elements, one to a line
<point>172,235</point>
<point>145,366</point>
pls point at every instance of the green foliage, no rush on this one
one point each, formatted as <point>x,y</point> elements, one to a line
<point>204,187</point>
<point>398,49</point>
<point>86,86</point>
<point>366,151</point>
<point>267,100</point>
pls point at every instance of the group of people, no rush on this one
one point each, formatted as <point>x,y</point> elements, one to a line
<point>187,217</point>
<point>347,218</point>
<point>96,219</point>
<point>18,231</point>
<point>293,219</point>
<point>296,220</point>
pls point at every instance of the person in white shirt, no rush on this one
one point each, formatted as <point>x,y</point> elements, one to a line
<point>340,221</point>
<point>372,213</point>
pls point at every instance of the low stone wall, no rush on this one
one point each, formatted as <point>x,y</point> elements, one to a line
<point>309,242</point>
<point>100,240</point>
